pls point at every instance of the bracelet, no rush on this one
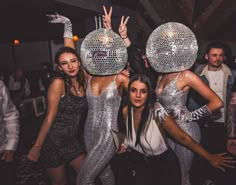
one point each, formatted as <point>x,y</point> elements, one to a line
<point>125,37</point>
<point>37,147</point>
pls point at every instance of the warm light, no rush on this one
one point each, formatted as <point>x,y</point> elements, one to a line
<point>16,42</point>
<point>106,40</point>
<point>75,38</point>
<point>170,33</point>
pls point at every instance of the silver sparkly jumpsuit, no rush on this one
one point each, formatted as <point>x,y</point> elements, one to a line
<point>101,119</point>
<point>174,100</point>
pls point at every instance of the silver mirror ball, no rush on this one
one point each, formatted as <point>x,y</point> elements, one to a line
<point>103,53</point>
<point>171,47</point>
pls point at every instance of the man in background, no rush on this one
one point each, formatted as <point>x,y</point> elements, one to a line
<point>9,136</point>
<point>19,86</point>
<point>219,77</point>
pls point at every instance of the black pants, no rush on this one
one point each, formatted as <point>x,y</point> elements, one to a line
<point>137,169</point>
<point>213,140</point>
<point>213,136</point>
<point>8,172</point>
<point>202,170</point>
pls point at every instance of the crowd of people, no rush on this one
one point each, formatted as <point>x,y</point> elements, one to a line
<point>169,121</point>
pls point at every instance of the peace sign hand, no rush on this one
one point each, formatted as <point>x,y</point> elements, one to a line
<point>123,27</point>
<point>107,18</point>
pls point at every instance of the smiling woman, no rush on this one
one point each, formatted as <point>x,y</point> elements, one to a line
<point>60,140</point>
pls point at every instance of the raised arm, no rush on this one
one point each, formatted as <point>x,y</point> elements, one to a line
<point>68,34</point>
<point>107,18</point>
<point>123,31</point>
<point>135,59</point>
<point>122,83</point>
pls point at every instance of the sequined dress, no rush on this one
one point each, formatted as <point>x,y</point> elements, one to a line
<point>174,101</point>
<point>102,118</point>
<point>64,141</point>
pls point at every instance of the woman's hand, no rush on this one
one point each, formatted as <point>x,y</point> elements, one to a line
<point>126,73</point>
<point>222,160</point>
<point>57,18</point>
<point>34,154</point>
<point>123,27</point>
<point>8,155</point>
<point>107,18</point>
<point>122,149</point>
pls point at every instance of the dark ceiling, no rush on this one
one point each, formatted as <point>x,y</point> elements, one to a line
<point>26,20</point>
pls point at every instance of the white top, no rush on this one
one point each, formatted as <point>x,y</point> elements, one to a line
<point>16,85</point>
<point>153,142</point>
<point>9,121</point>
<point>216,79</point>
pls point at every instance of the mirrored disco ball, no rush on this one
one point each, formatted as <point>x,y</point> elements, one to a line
<point>171,47</point>
<point>103,52</point>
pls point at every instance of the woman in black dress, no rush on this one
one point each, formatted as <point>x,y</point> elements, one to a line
<point>60,139</point>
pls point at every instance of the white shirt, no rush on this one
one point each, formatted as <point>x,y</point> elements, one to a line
<point>153,142</point>
<point>9,121</point>
<point>16,85</point>
<point>216,79</point>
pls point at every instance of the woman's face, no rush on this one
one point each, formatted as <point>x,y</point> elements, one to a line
<point>138,94</point>
<point>69,64</point>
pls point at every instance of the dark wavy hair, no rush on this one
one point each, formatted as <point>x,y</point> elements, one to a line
<point>80,75</point>
<point>215,44</point>
<point>147,107</point>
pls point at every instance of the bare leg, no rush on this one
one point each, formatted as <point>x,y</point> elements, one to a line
<point>57,175</point>
<point>78,162</point>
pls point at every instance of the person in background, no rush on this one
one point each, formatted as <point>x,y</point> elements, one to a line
<point>231,122</point>
<point>218,77</point>
<point>9,136</point>
<point>2,76</point>
<point>149,159</point>
<point>60,140</point>
<point>137,59</point>
<point>18,86</point>
<point>46,76</point>
<point>149,71</point>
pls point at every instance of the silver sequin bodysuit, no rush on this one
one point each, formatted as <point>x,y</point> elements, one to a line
<point>102,117</point>
<point>174,101</point>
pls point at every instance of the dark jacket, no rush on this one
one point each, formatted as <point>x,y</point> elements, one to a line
<point>195,100</point>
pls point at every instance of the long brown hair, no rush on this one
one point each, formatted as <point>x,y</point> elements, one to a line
<point>80,75</point>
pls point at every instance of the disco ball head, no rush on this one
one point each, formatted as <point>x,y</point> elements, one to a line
<point>171,47</point>
<point>103,52</point>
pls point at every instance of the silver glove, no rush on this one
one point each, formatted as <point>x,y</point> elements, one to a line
<point>57,18</point>
<point>199,113</point>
